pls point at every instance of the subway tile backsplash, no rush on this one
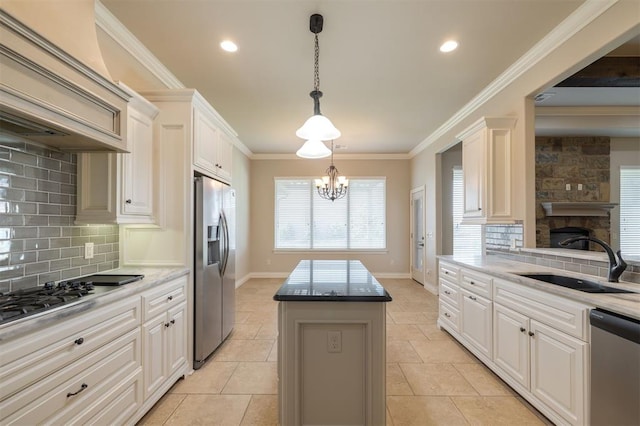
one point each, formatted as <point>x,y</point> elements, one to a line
<point>38,239</point>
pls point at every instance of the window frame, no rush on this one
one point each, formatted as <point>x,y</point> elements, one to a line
<point>312,190</point>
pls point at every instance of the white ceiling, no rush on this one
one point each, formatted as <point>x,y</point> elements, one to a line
<point>386,86</point>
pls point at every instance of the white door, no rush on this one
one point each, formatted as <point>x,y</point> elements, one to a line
<point>417,234</point>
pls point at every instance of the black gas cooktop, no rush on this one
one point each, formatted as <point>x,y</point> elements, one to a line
<point>29,301</point>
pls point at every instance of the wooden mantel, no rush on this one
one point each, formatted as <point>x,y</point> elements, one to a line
<point>578,208</point>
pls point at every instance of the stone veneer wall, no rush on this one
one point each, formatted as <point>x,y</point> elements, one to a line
<point>572,160</point>
<point>38,239</point>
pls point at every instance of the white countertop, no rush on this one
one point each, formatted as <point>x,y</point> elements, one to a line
<point>622,303</point>
<point>101,296</point>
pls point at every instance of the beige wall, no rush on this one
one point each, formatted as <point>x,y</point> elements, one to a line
<point>266,262</point>
<point>241,172</point>
<point>617,24</point>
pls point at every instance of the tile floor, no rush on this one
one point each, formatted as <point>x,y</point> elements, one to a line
<point>431,380</point>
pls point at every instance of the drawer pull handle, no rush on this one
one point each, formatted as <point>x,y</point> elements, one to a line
<point>79,341</point>
<point>531,333</point>
<point>472,297</point>
<point>166,324</point>
<point>172,321</point>
<point>170,298</point>
<point>472,283</point>
<point>447,315</point>
<point>447,292</point>
<point>522,329</point>
<point>83,387</point>
<point>446,272</point>
<point>128,201</point>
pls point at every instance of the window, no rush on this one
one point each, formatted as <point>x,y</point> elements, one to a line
<point>304,221</point>
<point>630,210</point>
<point>467,239</point>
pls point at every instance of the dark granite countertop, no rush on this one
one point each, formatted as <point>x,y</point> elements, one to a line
<point>331,281</point>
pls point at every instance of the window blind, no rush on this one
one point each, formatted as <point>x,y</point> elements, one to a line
<point>467,239</point>
<point>305,221</point>
<point>630,210</point>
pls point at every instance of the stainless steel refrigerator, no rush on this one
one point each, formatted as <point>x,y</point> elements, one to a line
<point>214,266</point>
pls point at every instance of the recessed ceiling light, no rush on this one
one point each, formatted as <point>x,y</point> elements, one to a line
<point>229,46</point>
<point>449,46</point>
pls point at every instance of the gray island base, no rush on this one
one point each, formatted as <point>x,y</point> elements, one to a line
<point>331,345</point>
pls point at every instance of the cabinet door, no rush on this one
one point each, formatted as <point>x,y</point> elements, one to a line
<point>511,343</point>
<point>473,165</point>
<point>176,338</point>
<point>154,352</point>
<point>558,371</point>
<point>137,173</point>
<point>225,156</point>
<point>477,323</point>
<point>205,142</point>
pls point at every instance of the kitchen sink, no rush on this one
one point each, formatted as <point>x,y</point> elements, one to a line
<point>575,283</point>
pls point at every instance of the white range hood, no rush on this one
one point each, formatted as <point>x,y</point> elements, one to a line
<point>57,93</point>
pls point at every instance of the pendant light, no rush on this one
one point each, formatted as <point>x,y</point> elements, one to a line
<point>317,128</point>
<point>333,186</point>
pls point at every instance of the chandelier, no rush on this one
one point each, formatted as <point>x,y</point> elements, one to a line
<point>317,128</point>
<point>332,186</point>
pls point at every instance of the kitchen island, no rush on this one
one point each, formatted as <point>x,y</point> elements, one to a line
<point>331,344</point>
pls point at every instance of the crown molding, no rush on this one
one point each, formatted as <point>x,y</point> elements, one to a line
<point>580,18</point>
<point>588,111</point>
<point>121,35</point>
<point>335,156</point>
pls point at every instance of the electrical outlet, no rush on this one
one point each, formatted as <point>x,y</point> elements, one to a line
<point>334,341</point>
<point>88,250</point>
<point>568,187</point>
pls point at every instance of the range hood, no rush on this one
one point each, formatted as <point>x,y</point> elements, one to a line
<point>577,208</point>
<point>46,94</point>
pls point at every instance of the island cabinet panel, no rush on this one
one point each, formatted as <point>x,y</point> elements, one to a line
<point>331,345</point>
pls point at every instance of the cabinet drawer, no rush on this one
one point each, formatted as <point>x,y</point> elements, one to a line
<point>59,397</point>
<point>476,282</point>
<point>555,311</point>
<point>448,272</point>
<point>165,297</point>
<point>450,294</point>
<point>50,349</point>
<point>450,316</point>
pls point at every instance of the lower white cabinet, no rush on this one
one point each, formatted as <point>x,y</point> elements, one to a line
<point>477,321</point>
<point>107,365</point>
<point>164,335</point>
<point>165,344</point>
<point>535,341</point>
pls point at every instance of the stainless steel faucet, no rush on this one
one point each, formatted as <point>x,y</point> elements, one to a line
<point>616,267</point>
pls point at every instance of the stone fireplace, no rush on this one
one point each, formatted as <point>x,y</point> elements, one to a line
<point>572,169</point>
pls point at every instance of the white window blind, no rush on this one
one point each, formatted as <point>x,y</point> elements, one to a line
<point>305,221</point>
<point>467,239</point>
<point>630,210</point>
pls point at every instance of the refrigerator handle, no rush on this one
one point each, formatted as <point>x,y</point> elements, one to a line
<point>225,244</point>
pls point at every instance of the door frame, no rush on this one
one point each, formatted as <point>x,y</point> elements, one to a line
<point>412,220</point>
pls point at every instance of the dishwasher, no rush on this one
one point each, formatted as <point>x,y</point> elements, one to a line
<point>615,369</point>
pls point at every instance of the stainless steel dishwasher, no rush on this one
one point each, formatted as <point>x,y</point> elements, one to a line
<point>615,369</point>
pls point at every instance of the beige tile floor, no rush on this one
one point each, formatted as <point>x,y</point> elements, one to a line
<point>431,379</point>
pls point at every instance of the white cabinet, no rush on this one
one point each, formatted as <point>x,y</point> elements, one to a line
<point>477,322</point>
<point>212,147</point>
<point>487,171</point>
<point>118,188</point>
<point>164,335</point>
<point>536,342</point>
<point>540,341</point>
<point>75,370</point>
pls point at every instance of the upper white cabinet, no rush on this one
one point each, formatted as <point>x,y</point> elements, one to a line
<point>487,171</point>
<point>118,188</point>
<point>212,147</point>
